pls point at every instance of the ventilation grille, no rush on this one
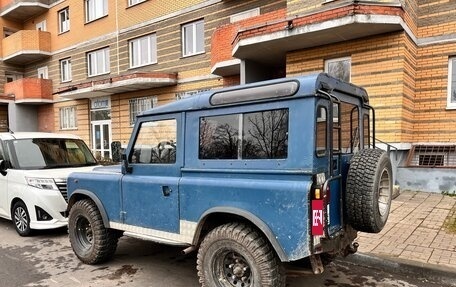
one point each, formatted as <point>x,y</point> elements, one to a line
<point>432,156</point>
<point>62,186</point>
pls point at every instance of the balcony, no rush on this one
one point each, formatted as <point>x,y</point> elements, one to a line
<point>26,46</point>
<point>118,84</point>
<point>267,38</point>
<point>22,10</point>
<point>30,91</point>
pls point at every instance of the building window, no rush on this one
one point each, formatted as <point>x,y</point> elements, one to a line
<point>134,2</point>
<point>193,38</point>
<point>451,102</point>
<point>43,72</point>
<point>98,62</point>
<point>339,68</point>
<point>140,105</point>
<point>68,118</point>
<point>143,51</point>
<point>183,95</point>
<point>65,70</point>
<point>244,15</point>
<point>12,77</point>
<point>95,9</point>
<point>64,20</point>
<point>432,156</point>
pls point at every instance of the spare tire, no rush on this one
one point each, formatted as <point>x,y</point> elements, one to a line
<point>369,190</point>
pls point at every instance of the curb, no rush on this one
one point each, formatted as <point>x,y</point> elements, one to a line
<point>432,272</point>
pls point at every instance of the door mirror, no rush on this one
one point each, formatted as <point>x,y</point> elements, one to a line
<point>125,167</point>
<point>116,149</point>
<point>3,167</point>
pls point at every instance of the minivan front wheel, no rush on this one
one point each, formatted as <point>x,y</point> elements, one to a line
<point>21,218</point>
<point>91,241</point>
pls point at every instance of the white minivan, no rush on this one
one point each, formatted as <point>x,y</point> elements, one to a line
<point>33,183</point>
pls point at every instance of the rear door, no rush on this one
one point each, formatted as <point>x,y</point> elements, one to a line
<point>342,124</point>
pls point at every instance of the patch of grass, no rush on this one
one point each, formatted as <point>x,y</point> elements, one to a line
<point>450,221</point>
<point>449,193</point>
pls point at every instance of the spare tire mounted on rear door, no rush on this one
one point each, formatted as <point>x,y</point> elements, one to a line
<point>369,189</point>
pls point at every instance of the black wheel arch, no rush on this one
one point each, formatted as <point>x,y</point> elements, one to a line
<point>86,194</point>
<point>217,216</point>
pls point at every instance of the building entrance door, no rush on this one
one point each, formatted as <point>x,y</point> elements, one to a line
<point>100,116</point>
<point>101,131</point>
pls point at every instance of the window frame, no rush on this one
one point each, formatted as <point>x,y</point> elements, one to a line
<point>134,111</point>
<point>194,37</point>
<point>334,60</point>
<point>105,62</point>
<point>68,119</point>
<point>245,15</point>
<point>90,6</point>
<point>64,13</point>
<point>68,72</point>
<point>132,3</point>
<point>152,55</point>
<point>451,62</point>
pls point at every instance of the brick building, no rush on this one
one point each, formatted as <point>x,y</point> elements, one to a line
<point>88,67</point>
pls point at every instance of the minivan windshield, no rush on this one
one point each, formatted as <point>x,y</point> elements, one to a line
<point>42,153</point>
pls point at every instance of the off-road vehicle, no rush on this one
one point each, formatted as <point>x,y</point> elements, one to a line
<point>251,176</point>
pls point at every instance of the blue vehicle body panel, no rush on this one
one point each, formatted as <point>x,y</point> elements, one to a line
<point>280,201</point>
<point>103,184</point>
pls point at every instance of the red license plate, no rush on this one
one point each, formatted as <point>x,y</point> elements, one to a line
<point>317,217</point>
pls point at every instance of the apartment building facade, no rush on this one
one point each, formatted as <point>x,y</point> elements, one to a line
<point>88,67</point>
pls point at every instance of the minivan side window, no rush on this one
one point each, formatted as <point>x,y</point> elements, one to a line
<point>155,143</point>
<point>257,135</point>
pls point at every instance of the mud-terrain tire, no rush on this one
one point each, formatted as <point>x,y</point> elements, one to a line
<point>369,190</point>
<point>91,241</point>
<point>235,254</point>
<point>21,218</point>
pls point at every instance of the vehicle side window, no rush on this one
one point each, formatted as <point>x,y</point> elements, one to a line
<point>346,127</point>
<point>264,136</point>
<point>155,143</point>
<point>321,126</point>
<point>366,126</point>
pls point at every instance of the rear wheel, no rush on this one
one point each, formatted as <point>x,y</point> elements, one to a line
<point>369,190</point>
<point>91,241</point>
<point>21,218</point>
<point>235,255</point>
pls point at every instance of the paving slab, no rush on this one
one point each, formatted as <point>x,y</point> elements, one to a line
<point>416,232</point>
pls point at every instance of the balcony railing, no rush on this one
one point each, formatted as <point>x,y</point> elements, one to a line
<point>26,46</point>
<point>30,90</point>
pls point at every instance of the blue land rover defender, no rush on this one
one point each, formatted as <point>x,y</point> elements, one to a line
<point>251,177</point>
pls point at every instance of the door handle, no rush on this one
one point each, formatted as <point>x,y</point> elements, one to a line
<point>166,190</point>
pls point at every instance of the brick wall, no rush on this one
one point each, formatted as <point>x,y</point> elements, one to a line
<point>433,121</point>
<point>379,65</point>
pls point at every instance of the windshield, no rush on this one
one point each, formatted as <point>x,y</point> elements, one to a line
<point>44,153</point>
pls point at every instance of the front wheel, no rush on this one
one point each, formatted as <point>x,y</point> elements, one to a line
<point>236,255</point>
<point>91,241</point>
<point>21,218</point>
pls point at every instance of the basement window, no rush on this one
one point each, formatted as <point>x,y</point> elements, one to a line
<point>432,156</point>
